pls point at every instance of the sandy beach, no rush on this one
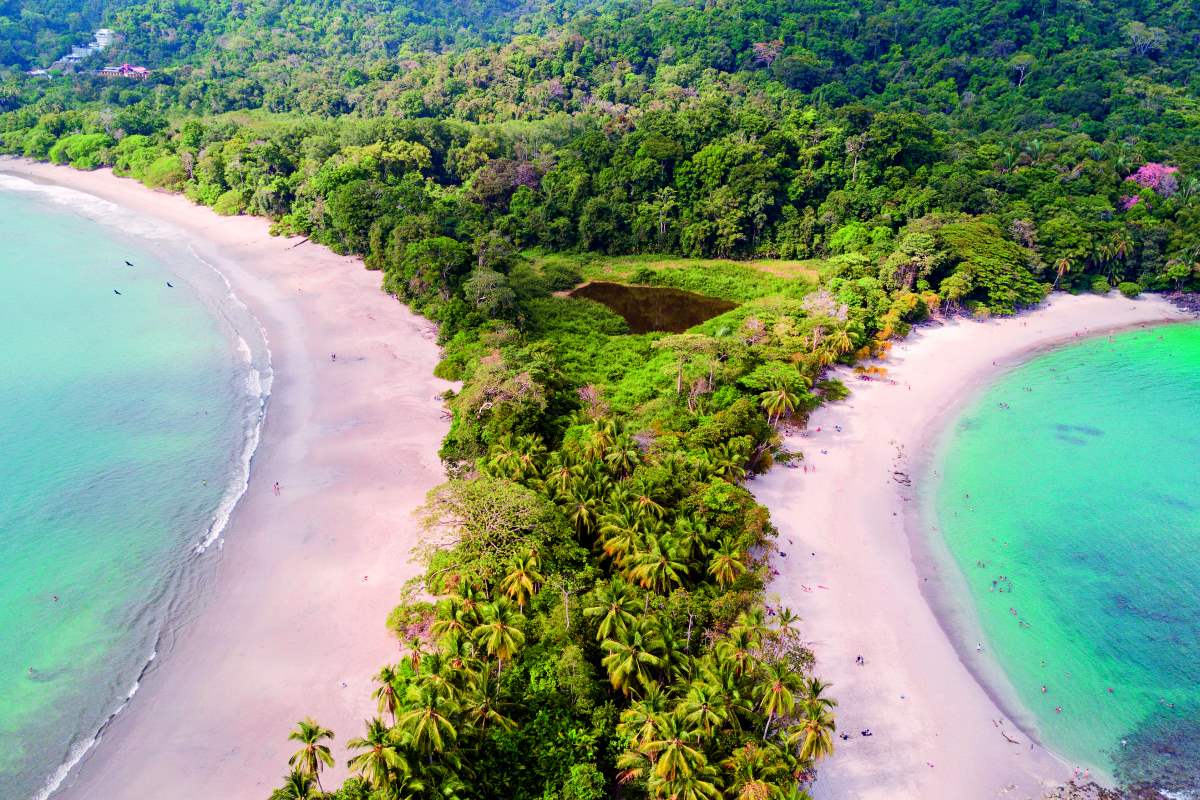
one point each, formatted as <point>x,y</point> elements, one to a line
<point>856,573</point>
<point>293,620</point>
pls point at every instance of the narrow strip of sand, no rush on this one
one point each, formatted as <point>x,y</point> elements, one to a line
<point>293,620</point>
<point>847,526</point>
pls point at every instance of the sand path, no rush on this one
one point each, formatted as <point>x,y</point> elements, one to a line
<point>292,622</point>
<point>847,529</point>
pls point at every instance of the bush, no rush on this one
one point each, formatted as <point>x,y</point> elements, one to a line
<point>165,172</point>
<point>1129,288</point>
<point>229,204</point>
<point>560,277</point>
<point>1100,285</point>
<point>584,783</point>
<point>82,150</point>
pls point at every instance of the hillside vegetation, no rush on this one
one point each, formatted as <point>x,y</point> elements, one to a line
<point>593,621</point>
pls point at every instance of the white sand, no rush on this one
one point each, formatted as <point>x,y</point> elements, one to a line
<point>916,694</point>
<point>287,617</point>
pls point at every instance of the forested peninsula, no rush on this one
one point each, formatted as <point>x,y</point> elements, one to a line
<point>592,619</point>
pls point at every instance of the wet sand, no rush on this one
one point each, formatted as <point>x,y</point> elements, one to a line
<point>856,568</point>
<point>292,622</point>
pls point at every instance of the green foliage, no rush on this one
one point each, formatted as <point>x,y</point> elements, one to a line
<point>1129,288</point>
<point>989,268</point>
<point>165,172</point>
<point>839,171</point>
<point>229,203</point>
<point>585,782</point>
<point>81,150</point>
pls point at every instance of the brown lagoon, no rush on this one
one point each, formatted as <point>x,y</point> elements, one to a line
<point>654,308</point>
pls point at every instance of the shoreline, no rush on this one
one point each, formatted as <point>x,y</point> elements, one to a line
<point>865,578</point>
<point>290,620</point>
<point>944,584</point>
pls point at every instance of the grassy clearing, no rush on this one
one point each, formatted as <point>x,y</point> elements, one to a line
<point>739,281</point>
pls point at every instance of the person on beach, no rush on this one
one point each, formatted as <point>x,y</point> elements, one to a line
<point>333,356</point>
<point>275,488</point>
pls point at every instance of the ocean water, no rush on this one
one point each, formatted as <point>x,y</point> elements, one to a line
<point>126,427</point>
<point>1068,494</point>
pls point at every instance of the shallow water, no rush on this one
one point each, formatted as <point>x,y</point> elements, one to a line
<point>1069,496</point>
<point>126,422</point>
<point>654,308</point>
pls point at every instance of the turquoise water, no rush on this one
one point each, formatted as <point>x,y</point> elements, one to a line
<point>125,424</point>
<point>1072,483</point>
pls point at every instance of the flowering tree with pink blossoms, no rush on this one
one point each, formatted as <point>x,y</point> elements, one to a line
<point>1158,177</point>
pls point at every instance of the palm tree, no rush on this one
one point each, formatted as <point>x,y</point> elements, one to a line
<point>449,619</point>
<point>385,694</point>
<point>814,733</point>
<point>756,772</point>
<point>753,623</point>
<point>620,534</point>
<point>777,692</point>
<point>646,505</point>
<point>786,620</point>
<point>727,563</point>
<point>296,786</point>
<point>437,675</point>
<point>616,606</point>
<point>581,506</point>
<point>473,600</point>
<point>522,580</point>
<point>840,341</point>
<point>632,765</point>
<point>517,458</point>
<point>1062,267</point>
<point>483,703</point>
<point>639,720</point>
<point>674,747</point>
<point>623,456</point>
<point>498,634</point>
<point>379,758</point>
<point>777,401</point>
<point>312,756</point>
<point>560,474</point>
<point>427,723</point>
<point>693,537</point>
<point>814,692</point>
<point>738,648</point>
<point>658,567</point>
<point>630,657</point>
<point>729,459</point>
<point>704,706</point>
<point>459,653</point>
<point>722,676</point>
<point>700,784</point>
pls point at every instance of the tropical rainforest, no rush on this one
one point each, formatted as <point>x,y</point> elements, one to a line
<point>594,614</point>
